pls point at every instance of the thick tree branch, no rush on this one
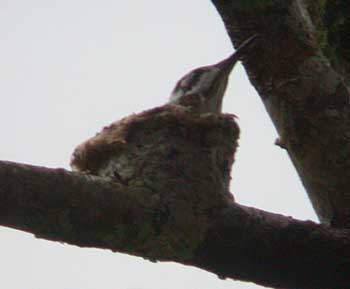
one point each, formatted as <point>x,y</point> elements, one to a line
<point>238,242</point>
<point>164,191</point>
<point>306,97</point>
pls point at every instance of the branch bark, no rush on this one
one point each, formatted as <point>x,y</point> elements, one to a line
<point>237,241</point>
<point>299,72</point>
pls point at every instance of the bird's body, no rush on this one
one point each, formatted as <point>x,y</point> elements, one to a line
<point>203,88</point>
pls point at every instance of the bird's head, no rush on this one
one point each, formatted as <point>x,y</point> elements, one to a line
<point>203,88</point>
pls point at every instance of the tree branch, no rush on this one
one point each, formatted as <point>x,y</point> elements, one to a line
<point>238,242</point>
<point>164,191</point>
<point>307,98</point>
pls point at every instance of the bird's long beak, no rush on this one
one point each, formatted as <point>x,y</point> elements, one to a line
<point>227,64</point>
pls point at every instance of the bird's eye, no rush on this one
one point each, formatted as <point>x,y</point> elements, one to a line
<point>195,75</point>
<point>190,80</point>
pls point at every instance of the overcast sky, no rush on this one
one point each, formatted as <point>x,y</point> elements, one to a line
<point>70,67</point>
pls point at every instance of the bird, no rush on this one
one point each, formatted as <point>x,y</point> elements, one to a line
<point>203,88</point>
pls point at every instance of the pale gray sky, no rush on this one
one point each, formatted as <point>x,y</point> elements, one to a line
<point>69,67</point>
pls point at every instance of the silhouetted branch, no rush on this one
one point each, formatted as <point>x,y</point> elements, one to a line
<point>234,241</point>
<point>300,73</point>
